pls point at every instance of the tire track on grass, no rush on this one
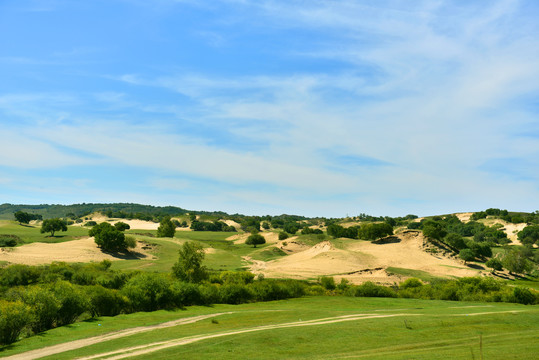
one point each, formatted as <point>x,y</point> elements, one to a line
<point>161,345</point>
<point>77,344</point>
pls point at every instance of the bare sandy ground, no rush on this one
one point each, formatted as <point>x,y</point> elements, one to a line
<point>83,250</point>
<point>133,223</point>
<point>464,217</point>
<point>363,261</point>
<point>271,237</point>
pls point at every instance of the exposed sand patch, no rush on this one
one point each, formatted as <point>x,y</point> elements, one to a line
<point>83,250</point>
<point>210,251</point>
<point>464,217</point>
<point>133,223</point>
<point>271,237</point>
<point>232,223</point>
<point>364,261</point>
<point>512,230</point>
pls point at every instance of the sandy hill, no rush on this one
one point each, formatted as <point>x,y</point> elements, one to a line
<point>361,261</point>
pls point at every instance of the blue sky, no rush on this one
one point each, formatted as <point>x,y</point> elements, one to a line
<point>318,108</point>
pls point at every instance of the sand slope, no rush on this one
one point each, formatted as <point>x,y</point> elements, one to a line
<point>363,260</point>
<point>83,250</point>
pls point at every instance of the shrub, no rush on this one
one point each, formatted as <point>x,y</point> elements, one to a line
<point>411,283</point>
<point>235,294</point>
<point>105,302</point>
<point>121,226</point>
<point>14,317</point>
<point>149,292</point>
<point>283,235</point>
<point>72,302</point>
<point>108,237</point>
<point>369,289</point>
<point>327,282</point>
<point>7,240</point>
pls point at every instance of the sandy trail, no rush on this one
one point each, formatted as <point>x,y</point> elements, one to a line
<point>77,344</point>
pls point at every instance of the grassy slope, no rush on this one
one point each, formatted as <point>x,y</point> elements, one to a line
<point>437,330</point>
<point>30,234</point>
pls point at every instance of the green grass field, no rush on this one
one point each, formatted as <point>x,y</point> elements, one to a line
<point>314,328</point>
<point>30,233</point>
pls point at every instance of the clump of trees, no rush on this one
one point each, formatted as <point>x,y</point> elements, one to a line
<point>53,225</point>
<point>375,231</point>
<point>110,238</point>
<point>24,217</point>
<point>211,226</point>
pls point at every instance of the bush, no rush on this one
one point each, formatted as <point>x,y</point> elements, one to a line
<point>235,294</point>
<point>108,237</point>
<point>105,302</point>
<point>411,283</point>
<point>73,302</point>
<point>283,235</point>
<point>121,226</point>
<point>369,289</point>
<point>43,304</point>
<point>14,317</point>
<point>7,240</point>
<point>149,292</point>
<point>327,282</point>
<point>255,239</point>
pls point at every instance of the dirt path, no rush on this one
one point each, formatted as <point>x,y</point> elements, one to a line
<point>77,344</point>
<point>148,348</point>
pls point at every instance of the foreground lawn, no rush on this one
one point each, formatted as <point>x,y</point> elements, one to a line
<point>314,328</point>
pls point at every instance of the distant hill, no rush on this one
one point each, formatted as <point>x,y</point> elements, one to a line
<point>78,210</point>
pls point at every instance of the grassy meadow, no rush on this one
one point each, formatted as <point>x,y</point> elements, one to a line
<point>370,328</point>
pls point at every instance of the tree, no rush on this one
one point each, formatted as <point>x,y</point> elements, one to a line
<point>494,264</point>
<point>529,235</point>
<point>121,226</point>
<point>283,235</point>
<point>22,217</point>
<point>189,266</point>
<point>166,228</point>
<point>466,255</point>
<point>109,238</point>
<point>53,225</point>
<point>433,230</point>
<point>516,262</point>
<point>255,239</point>
<point>374,231</point>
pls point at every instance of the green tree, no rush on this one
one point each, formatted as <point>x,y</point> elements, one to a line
<point>255,239</point>
<point>466,255</point>
<point>374,231</point>
<point>166,228</point>
<point>189,266</point>
<point>515,261</point>
<point>433,230</point>
<point>494,264</point>
<point>53,225</point>
<point>529,235</point>
<point>109,238</point>
<point>22,217</point>
<point>120,225</point>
